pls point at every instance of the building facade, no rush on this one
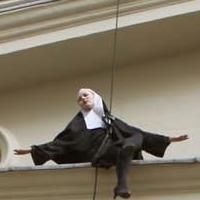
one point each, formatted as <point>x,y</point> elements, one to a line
<point>50,49</point>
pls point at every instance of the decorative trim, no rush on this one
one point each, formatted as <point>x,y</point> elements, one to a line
<point>10,5</point>
<point>38,19</point>
<point>7,143</point>
<point>146,182</point>
<point>156,162</point>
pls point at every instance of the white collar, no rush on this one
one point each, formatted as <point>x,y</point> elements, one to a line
<point>93,118</point>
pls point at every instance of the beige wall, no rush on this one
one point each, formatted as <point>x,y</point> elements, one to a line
<point>160,96</point>
<point>148,182</point>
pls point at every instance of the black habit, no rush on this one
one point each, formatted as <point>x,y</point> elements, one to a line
<point>76,143</point>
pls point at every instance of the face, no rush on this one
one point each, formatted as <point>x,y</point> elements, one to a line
<point>86,99</point>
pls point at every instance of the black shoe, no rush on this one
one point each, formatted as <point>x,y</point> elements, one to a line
<point>121,193</point>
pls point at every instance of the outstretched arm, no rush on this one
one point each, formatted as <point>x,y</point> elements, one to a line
<point>179,138</point>
<point>22,151</point>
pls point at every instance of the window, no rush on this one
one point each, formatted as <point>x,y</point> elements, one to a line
<point>7,144</point>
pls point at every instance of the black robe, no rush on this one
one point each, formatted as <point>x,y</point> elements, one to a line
<point>76,143</point>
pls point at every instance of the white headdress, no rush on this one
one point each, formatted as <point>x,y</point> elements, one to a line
<point>93,117</point>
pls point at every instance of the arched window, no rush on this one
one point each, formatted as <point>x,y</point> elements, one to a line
<point>7,144</point>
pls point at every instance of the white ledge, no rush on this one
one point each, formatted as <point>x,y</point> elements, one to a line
<point>88,165</point>
<point>76,182</point>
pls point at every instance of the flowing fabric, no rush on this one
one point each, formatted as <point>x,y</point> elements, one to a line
<point>82,137</point>
<point>77,144</point>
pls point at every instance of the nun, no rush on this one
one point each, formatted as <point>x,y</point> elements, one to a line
<point>95,136</point>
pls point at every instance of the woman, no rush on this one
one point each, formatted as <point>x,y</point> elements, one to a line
<point>95,136</point>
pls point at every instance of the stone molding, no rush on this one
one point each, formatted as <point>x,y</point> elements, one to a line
<point>146,182</point>
<point>36,19</point>
<point>7,144</point>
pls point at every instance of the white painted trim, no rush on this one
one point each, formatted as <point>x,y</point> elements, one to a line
<point>97,27</point>
<point>146,182</point>
<point>14,5</point>
<point>56,15</point>
<point>156,162</point>
<point>7,144</point>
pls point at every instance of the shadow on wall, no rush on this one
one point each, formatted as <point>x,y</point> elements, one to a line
<point>7,144</point>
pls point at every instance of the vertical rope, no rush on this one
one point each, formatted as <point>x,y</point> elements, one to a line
<point>95,183</point>
<point>114,56</point>
<point>113,65</point>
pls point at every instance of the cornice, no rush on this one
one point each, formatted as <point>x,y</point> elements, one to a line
<point>146,182</point>
<point>27,21</point>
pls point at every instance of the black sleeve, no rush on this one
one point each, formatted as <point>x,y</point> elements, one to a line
<point>155,144</point>
<point>50,150</point>
<point>39,156</point>
<point>45,152</point>
<point>59,149</point>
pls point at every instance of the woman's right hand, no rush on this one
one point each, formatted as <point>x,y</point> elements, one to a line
<point>22,151</point>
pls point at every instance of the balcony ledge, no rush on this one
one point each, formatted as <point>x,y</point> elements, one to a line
<point>150,180</point>
<point>192,160</point>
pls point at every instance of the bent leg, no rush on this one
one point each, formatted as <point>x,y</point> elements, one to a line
<point>130,147</point>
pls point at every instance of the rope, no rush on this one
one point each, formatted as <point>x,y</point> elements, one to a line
<point>114,54</point>
<point>113,65</point>
<point>95,183</point>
